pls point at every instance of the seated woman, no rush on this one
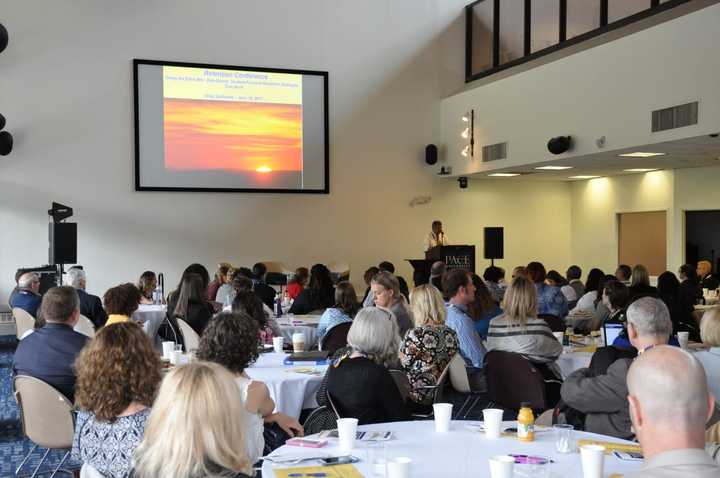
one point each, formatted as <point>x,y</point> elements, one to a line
<point>197,396</point>
<point>586,303</point>
<point>219,279</point>
<point>495,281</point>
<point>248,303</point>
<point>359,383</point>
<point>320,294</point>
<point>226,292</point>
<point>640,284</point>
<point>147,284</point>
<point>710,334</point>
<point>428,348</point>
<point>386,292</point>
<point>118,374</point>
<point>550,300</point>
<point>121,302</point>
<point>231,340</point>
<point>367,278</point>
<point>191,304</point>
<point>555,279</point>
<point>346,306</point>
<point>680,309</point>
<point>298,282</point>
<point>483,309</point>
<point>519,330</point>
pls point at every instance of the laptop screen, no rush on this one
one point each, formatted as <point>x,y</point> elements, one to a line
<point>611,332</point>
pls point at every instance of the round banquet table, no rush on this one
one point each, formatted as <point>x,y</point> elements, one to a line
<point>305,324</point>
<point>568,362</point>
<point>151,317</point>
<point>461,452</point>
<point>290,390</point>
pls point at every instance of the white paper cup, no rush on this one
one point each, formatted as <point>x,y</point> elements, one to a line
<point>492,417</point>
<point>443,415</point>
<point>593,458</point>
<point>278,344</point>
<point>399,467</point>
<point>501,466</point>
<point>168,349</point>
<point>298,341</point>
<point>347,429</point>
<point>559,336</point>
<point>683,339</point>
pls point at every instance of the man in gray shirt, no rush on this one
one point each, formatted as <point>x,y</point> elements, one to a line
<point>669,406</point>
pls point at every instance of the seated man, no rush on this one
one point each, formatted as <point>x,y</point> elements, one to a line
<point>705,276</point>
<point>669,406</point>
<point>602,400</point>
<point>27,296</point>
<point>90,305</point>
<point>461,290</point>
<point>49,353</point>
<point>265,292</point>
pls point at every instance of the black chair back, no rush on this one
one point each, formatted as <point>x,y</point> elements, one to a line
<point>555,323</point>
<point>512,379</point>
<point>336,338</point>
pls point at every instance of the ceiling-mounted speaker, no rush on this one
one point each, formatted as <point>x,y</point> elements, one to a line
<point>6,143</point>
<point>431,154</point>
<point>2,122</point>
<point>559,144</point>
<point>3,38</point>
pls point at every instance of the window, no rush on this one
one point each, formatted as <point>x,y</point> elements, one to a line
<point>619,9</point>
<point>544,24</point>
<point>582,16</point>
<point>512,31</point>
<point>482,36</point>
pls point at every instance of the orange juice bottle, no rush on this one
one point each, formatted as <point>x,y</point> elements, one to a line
<point>526,423</point>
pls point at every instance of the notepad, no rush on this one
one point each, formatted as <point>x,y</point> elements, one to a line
<point>611,446</point>
<point>337,471</point>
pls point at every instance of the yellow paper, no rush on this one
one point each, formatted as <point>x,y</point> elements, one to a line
<point>336,471</point>
<point>611,446</point>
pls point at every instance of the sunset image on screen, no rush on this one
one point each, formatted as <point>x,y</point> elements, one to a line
<point>258,139</point>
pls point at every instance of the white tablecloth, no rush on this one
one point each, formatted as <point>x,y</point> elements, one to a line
<point>305,324</point>
<point>459,453</point>
<point>291,391</point>
<point>151,317</point>
<point>568,362</point>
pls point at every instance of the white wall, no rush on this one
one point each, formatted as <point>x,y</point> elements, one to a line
<point>67,95</point>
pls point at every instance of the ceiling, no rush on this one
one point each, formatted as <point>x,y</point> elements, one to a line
<point>700,151</point>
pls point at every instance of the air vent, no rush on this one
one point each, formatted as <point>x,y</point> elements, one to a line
<point>675,117</point>
<point>493,152</point>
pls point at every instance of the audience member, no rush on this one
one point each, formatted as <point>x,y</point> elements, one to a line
<point>195,268</point>
<point>226,292</point>
<point>483,308</point>
<point>573,275</point>
<point>601,312</point>
<point>519,271</point>
<point>118,374</point>
<point>705,276</point>
<point>689,287</point>
<point>247,303</point>
<point>428,348</point>
<point>265,292</point>
<point>90,305</point>
<point>367,278</point>
<point>615,297</point>
<point>298,282</point>
<point>495,281</point>
<point>460,289</point>
<point>640,284</point>
<point>16,289</point>
<point>587,300</point>
<point>49,353</point>
<point>623,273</point>
<point>121,302</point>
<point>146,285</point>
<point>554,279</point>
<point>551,300</point>
<point>191,304</point>
<point>345,308</point>
<point>359,383</point>
<point>386,291</point>
<point>669,406</point>
<point>27,296</point>
<point>231,340</point>
<point>421,276</point>
<point>242,283</point>
<point>437,270</point>
<point>602,400</point>
<point>219,279</point>
<point>710,358</point>
<point>320,294</point>
<point>197,396</point>
<point>390,267</point>
<point>680,310</point>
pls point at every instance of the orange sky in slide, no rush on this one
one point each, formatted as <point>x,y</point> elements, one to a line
<point>230,135</point>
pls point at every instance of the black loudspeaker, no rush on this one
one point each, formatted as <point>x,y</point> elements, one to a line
<point>494,243</point>
<point>559,144</point>
<point>431,154</point>
<point>3,38</point>
<point>63,242</point>
<point>6,143</point>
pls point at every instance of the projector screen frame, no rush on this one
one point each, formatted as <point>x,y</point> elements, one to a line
<point>326,127</point>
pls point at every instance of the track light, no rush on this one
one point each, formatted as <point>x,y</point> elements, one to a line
<point>465,151</point>
<point>466,117</point>
<point>466,133</point>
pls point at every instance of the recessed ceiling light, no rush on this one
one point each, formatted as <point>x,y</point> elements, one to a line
<point>554,168</point>
<point>639,170</point>
<point>582,176</point>
<point>640,154</point>
<point>503,175</point>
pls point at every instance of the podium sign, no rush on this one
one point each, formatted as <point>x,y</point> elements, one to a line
<point>455,257</point>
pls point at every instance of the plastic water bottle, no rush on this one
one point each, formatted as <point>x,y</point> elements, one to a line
<point>278,306</point>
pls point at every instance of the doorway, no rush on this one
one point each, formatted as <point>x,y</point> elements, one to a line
<point>702,237</point>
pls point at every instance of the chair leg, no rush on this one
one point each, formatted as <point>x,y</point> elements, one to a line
<point>60,464</point>
<point>471,407</point>
<point>22,463</point>
<point>37,468</point>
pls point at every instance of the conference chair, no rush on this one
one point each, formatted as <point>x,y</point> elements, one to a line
<point>555,323</point>
<point>460,382</point>
<point>320,419</point>
<point>403,384</point>
<point>23,321</point>
<point>85,327</point>
<point>89,471</point>
<point>47,419</point>
<point>190,337</point>
<point>512,379</point>
<point>335,338</point>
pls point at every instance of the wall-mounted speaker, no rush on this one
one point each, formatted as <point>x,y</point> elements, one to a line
<point>559,144</point>
<point>3,38</point>
<point>494,243</point>
<point>63,242</point>
<point>6,143</point>
<point>431,154</point>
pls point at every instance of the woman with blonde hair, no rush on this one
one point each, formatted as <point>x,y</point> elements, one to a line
<point>118,374</point>
<point>710,335</point>
<point>428,348</point>
<point>196,428</point>
<point>386,293</point>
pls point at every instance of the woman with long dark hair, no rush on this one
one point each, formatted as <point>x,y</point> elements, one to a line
<point>680,310</point>
<point>320,293</point>
<point>484,308</point>
<point>190,303</point>
<point>589,298</point>
<point>147,284</point>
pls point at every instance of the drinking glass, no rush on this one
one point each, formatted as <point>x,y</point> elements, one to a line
<point>564,438</point>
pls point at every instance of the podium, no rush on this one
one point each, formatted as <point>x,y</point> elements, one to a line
<point>455,257</point>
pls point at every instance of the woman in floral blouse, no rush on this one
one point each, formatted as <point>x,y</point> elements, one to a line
<point>429,347</point>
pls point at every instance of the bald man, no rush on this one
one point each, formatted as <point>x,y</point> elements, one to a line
<point>705,276</point>
<point>28,293</point>
<point>669,406</point>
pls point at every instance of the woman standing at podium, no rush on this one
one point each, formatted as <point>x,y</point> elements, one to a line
<point>436,237</point>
